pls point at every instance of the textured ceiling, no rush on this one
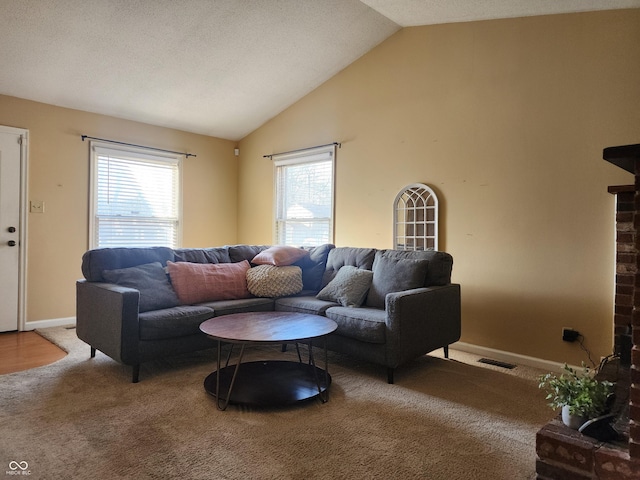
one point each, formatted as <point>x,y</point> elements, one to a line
<point>215,67</point>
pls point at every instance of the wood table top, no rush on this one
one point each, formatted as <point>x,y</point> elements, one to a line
<point>267,327</point>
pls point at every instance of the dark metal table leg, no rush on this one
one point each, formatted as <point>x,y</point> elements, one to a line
<point>324,396</point>
<point>233,378</point>
<point>226,364</point>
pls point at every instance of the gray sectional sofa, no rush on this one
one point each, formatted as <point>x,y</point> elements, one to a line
<point>411,307</point>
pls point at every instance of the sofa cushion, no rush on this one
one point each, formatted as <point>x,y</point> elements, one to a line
<point>226,307</point>
<point>440,264</point>
<point>341,256</point>
<point>394,274</point>
<point>306,304</point>
<point>150,280</point>
<point>203,255</point>
<point>197,283</point>
<point>238,253</point>
<point>173,322</point>
<point>349,287</point>
<point>271,281</point>
<point>96,261</point>
<point>314,265</point>
<point>279,255</point>
<point>364,324</point>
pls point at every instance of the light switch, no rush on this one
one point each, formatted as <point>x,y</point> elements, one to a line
<point>36,206</point>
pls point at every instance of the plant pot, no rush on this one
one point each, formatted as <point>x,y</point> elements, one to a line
<point>571,420</point>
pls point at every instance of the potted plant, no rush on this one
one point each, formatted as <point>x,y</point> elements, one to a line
<point>580,396</point>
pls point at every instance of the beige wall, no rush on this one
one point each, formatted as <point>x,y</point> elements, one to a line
<point>506,120</point>
<point>59,176</point>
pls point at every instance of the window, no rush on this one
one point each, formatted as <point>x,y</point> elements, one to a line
<point>415,218</point>
<point>304,196</point>
<point>135,198</point>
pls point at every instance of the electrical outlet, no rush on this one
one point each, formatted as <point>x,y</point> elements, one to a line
<point>36,206</point>
<point>569,334</point>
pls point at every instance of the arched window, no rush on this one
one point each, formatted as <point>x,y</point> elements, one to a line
<point>415,218</point>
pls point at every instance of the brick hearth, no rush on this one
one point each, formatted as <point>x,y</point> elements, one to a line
<point>566,454</point>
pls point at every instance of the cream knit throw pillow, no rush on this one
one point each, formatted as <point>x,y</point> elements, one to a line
<point>271,281</point>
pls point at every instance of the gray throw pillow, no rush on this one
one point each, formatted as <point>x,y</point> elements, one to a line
<point>348,288</point>
<point>150,280</point>
<point>392,274</point>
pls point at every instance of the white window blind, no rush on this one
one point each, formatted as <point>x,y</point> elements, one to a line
<point>135,198</point>
<point>304,194</point>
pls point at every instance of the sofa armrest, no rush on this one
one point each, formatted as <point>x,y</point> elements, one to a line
<point>422,320</point>
<point>107,319</point>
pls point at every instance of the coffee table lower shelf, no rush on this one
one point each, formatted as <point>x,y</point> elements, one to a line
<point>269,383</point>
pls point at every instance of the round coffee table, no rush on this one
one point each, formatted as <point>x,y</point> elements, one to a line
<point>269,382</point>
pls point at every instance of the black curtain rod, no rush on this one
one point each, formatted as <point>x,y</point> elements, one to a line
<point>139,146</point>
<point>339,145</point>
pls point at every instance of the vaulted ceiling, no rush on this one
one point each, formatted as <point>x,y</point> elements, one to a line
<point>215,67</point>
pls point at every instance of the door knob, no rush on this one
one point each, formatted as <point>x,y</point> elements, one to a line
<point>11,229</point>
<point>11,243</point>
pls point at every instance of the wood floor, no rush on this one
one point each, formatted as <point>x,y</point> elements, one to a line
<point>24,350</point>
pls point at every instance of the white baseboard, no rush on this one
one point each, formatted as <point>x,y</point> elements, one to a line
<point>54,322</point>
<point>509,357</point>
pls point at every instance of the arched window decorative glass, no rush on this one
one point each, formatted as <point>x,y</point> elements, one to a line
<point>415,218</point>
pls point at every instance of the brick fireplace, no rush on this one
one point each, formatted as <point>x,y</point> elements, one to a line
<point>565,454</point>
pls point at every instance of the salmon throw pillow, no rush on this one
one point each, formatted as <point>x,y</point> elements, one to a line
<point>279,255</point>
<point>207,282</point>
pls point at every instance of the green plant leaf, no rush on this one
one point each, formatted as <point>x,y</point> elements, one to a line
<point>580,391</point>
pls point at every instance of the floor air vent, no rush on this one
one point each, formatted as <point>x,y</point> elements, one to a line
<point>489,361</point>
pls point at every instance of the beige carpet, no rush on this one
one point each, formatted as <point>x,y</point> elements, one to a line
<point>81,418</point>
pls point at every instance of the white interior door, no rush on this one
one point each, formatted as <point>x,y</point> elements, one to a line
<point>12,168</point>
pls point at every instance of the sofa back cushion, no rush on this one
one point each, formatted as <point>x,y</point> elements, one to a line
<point>203,255</point>
<point>238,253</point>
<point>440,264</point>
<point>150,280</point>
<point>314,265</point>
<point>399,270</point>
<point>96,261</point>
<point>394,274</point>
<point>341,256</point>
